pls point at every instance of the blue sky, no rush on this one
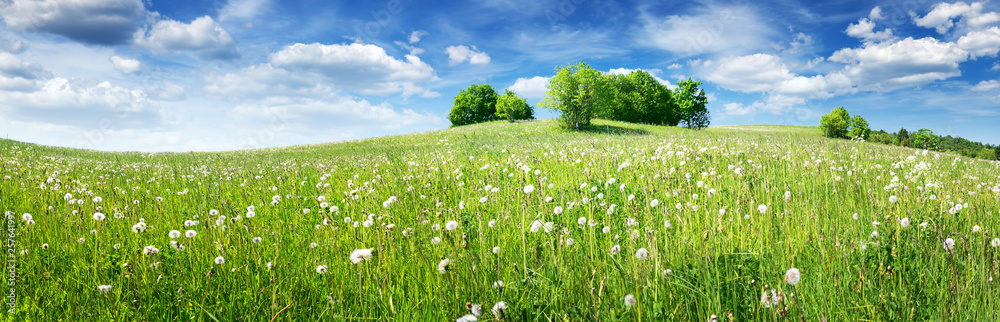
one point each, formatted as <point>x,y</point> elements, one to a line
<point>217,75</point>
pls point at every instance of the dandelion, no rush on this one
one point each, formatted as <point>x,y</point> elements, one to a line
<point>654,203</point>
<point>893,199</point>
<point>46,246</point>
<point>213,212</point>
<point>321,269</point>
<point>529,189</point>
<point>190,234</point>
<point>557,210</point>
<point>792,276</point>
<point>500,308</point>
<point>949,244</point>
<point>641,253</point>
<point>496,249</point>
<point>569,241</point>
<point>256,240</point>
<point>451,225</point>
<point>615,249</point>
<point>435,240</point>
<point>361,254</point>
<point>606,229</point>
<point>975,229</point>
<point>905,222</point>
<point>150,250</point>
<point>138,228</point>
<point>270,265</point>
<point>536,225</point>
<point>762,208</point>
<point>251,214</point>
<point>875,234</point>
<point>443,266</point>
<point>666,223</point>
<point>492,223</point>
<point>368,223</point>
<point>484,199</point>
<point>995,242</point>
<point>855,216</point>
<point>629,300</point>
<point>174,234</point>
<point>312,245</point>
<point>581,221</point>
<point>99,216</point>
<point>104,289</point>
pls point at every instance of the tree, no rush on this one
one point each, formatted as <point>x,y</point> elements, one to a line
<point>511,107</point>
<point>859,127</point>
<point>475,104</point>
<point>691,103</point>
<point>987,154</point>
<point>578,91</point>
<point>924,139</point>
<point>835,124</point>
<point>902,136</point>
<point>639,98</point>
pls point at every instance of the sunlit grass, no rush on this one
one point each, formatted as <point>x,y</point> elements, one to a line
<point>718,255</point>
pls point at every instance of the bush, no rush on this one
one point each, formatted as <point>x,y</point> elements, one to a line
<point>511,107</point>
<point>475,104</point>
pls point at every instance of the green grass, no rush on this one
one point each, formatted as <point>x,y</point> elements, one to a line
<point>719,263</point>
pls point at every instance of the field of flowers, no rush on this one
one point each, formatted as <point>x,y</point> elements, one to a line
<point>516,222</point>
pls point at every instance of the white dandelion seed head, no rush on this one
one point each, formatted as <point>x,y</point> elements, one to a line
<point>322,269</point>
<point>606,229</point>
<point>190,234</point>
<point>174,234</point>
<point>256,240</point>
<point>104,289</point>
<point>99,216</point>
<point>975,229</point>
<point>629,300</point>
<point>893,199</point>
<point>26,217</point>
<point>435,240</point>
<point>496,249</point>
<point>641,253</point>
<point>442,266</point>
<point>762,208</point>
<point>557,210</point>
<point>220,260</point>
<point>529,189</point>
<point>792,276</point>
<point>536,225</point>
<point>361,254</point>
<point>615,249</point>
<point>995,242</point>
<point>666,223</point>
<point>905,222</point>
<point>451,225</point>
<point>492,223</point>
<point>500,308</point>
<point>581,221</point>
<point>213,212</point>
<point>949,244</point>
<point>654,203</point>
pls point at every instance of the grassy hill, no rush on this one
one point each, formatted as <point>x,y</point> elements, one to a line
<point>620,222</point>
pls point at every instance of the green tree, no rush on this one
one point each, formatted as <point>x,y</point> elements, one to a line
<point>835,124</point>
<point>691,104</point>
<point>902,136</point>
<point>987,154</point>
<point>924,139</point>
<point>578,91</point>
<point>475,104</point>
<point>511,107</point>
<point>639,98</point>
<point>859,127</point>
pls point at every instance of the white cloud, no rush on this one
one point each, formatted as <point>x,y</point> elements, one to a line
<point>102,22</point>
<point>203,37</point>
<point>534,87</point>
<point>126,65</point>
<point>875,14</point>
<point>981,43</point>
<point>905,63</point>
<point>332,111</point>
<point>987,85</point>
<point>751,73</point>
<point>774,104</point>
<point>13,66</point>
<point>674,66</point>
<point>242,9</point>
<point>864,29</point>
<point>416,35</point>
<point>713,29</point>
<point>941,17</point>
<point>461,54</point>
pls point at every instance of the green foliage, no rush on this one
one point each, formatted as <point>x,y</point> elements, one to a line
<point>578,91</point>
<point>835,124</point>
<point>987,154</point>
<point>510,107</point>
<point>924,139</point>
<point>901,135</point>
<point>691,103</point>
<point>639,98</point>
<point>475,104</point>
<point>859,128</point>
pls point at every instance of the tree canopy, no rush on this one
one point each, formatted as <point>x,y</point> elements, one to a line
<point>835,123</point>
<point>578,91</point>
<point>510,107</point>
<point>691,103</point>
<point>475,104</point>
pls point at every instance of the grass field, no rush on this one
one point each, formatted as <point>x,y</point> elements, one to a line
<point>621,222</point>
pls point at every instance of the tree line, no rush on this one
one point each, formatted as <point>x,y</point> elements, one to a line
<point>581,93</point>
<point>839,124</point>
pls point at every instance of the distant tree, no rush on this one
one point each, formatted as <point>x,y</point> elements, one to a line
<point>996,151</point>
<point>859,128</point>
<point>901,136</point>
<point>577,91</point>
<point>510,107</point>
<point>691,103</point>
<point>475,104</point>
<point>835,124</point>
<point>639,98</point>
<point>987,154</point>
<point>924,139</point>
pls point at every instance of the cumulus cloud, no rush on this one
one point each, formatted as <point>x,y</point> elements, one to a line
<point>971,16</point>
<point>11,66</point>
<point>714,29</point>
<point>461,54</point>
<point>981,43</point>
<point>416,36</point>
<point>865,28</point>
<point>987,85</point>
<point>905,63</point>
<point>204,37</point>
<point>751,73</point>
<point>100,22</point>
<point>534,87</point>
<point>126,65</point>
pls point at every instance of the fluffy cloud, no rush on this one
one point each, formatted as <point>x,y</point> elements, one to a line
<point>126,65</point>
<point>101,22</point>
<point>971,16</point>
<point>751,73</point>
<point>905,63</point>
<point>203,37</point>
<point>461,54</point>
<point>865,28</point>
<point>534,87</point>
<point>984,86</point>
<point>416,36</point>
<point>981,43</point>
<point>712,30</point>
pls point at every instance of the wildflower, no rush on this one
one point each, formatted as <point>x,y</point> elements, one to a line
<point>251,214</point>
<point>174,234</point>
<point>792,276</point>
<point>995,242</point>
<point>99,216</point>
<point>855,216</point>
<point>484,199</point>
<point>312,245</point>
<point>905,222</point>
<point>255,240</point>
<point>581,221</point>
<point>150,250</point>
<point>762,208</point>
<point>476,309</point>
<point>569,241</point>
<point>654,203</point>
<point>529,188</point>
<point>535,225</point>
<point>496,249</point>
<point>975,229</point>
<point>949,244</point>
<point>443,266</point>
<point>557,210</point>
<point>322,269</point>
<point>875,234</point>
<point>641,253</point>
<point>138,228</point>
<point>606,229</point>
<point>104,289</point>
<point>270,265</point>
<point>451,225</point>
<point>492,223</point>
<point>435,240</point>
<point>213,212</point>
<point>615,249</point>
<point>629,300</point>
<point>893,199</point>
<point>220,260</point>
<point>500,308</point>
<point>190,234</point>
<point>666,223</point>
<point>361,254</point>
